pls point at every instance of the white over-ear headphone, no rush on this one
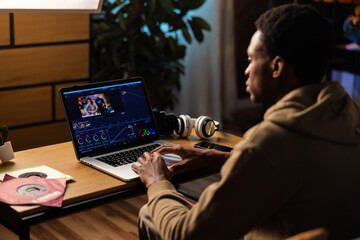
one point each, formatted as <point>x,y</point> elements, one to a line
<point>204,126</point>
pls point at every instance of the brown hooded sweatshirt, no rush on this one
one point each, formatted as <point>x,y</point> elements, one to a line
<point>298,169</point>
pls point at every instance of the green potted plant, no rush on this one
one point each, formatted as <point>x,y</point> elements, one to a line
<point>141,38</point>
<point>6,150</point>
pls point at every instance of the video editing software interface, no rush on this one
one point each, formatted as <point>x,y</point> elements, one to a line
<point>110,116</point>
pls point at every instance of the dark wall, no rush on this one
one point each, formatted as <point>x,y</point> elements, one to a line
<point>246,12</point>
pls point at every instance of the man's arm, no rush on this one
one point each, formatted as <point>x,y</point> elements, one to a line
<point>249,192</point>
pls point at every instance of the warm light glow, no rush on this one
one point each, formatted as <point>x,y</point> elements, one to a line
<point>90,6</point>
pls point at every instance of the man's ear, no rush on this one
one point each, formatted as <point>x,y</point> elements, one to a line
<point>277,66</point>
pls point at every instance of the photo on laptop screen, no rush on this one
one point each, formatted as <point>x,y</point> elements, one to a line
<point>97,104</point>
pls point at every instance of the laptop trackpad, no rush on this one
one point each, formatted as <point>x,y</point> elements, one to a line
<point>170,159</point>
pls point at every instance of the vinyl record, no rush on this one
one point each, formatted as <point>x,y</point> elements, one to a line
<point>37,171</point>
<point>31,190</point>
<point>33,174</point>
<point>47,192</point>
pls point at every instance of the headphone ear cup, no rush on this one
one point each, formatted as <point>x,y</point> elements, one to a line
<point>184,126</point>
<point>198,127</point>
<point>188,126</point>
<point>205,127</point>
<point>180,130</point>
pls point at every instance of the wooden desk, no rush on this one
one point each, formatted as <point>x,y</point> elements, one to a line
<point>90,186</point>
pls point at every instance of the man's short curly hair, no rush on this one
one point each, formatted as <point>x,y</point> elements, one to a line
<point>300,35</point>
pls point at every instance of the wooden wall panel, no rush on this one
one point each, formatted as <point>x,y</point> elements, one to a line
<point>37,136</point>
<point>44,28</point>
<point>44,64</point>
<point>39,54</point>
<point>59,109</point>
<point>4,29</point>
<point>25,106</point>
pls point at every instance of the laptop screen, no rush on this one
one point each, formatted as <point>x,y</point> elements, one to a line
<point>109,115</point>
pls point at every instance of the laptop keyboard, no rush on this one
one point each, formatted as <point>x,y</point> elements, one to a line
<point>126,157</point>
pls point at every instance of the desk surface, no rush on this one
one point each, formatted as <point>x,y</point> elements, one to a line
<point>88,182</point>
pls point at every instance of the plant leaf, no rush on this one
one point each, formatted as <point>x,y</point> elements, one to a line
<point>194,4</point>
<point>172,44</point>
<point>201,23</point>
<point>5,132</point>
<point>168,6</point>
<point>122,21</point>
<point>152,6</point>
<point>186,34</point>
<point>197,31</point>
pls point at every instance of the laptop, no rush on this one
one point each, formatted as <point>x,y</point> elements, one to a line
<point>111,125</point>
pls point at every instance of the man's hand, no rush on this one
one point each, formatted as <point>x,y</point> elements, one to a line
<point>153,169</point>
<point>192,158</point>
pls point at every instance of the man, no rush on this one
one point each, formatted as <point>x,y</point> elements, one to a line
<point>296,170</point>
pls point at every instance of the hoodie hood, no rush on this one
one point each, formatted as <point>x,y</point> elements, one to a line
<point>323,111</point>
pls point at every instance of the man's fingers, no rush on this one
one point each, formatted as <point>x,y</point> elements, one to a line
<point>141,160</point>
<point>146,155</point>
<point>158,148</point>
<point>135,168</point>
<point>166,148</point>
<point>177,166</point>
<point>155,154</point>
